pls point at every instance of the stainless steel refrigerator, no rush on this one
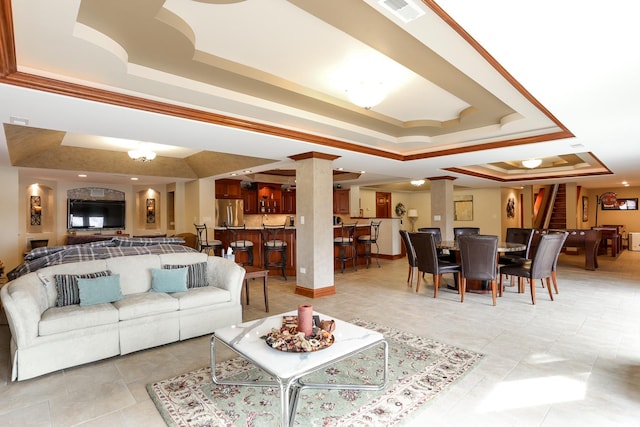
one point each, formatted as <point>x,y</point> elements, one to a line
<point>229,212</point>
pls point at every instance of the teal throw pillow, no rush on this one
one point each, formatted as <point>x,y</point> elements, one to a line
<point>163,280</point>
<point>99,290</point>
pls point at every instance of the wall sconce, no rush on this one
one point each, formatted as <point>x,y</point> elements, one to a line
<point>413,216</point>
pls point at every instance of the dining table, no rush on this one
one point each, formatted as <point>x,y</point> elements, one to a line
<point>479,286</point>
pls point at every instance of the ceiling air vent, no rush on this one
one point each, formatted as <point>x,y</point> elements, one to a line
<point>405,10</point>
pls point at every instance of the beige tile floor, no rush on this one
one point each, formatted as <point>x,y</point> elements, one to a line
<point>572,362</point>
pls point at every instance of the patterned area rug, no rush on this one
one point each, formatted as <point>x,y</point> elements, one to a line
<point>419,369</point>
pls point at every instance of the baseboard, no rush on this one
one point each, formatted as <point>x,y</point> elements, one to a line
<point>315,293</point>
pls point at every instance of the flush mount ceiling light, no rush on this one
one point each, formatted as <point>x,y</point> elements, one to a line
<point>417,182</point>
<point>531,163</point>
<point>142,155</point>
<point>366,94</point>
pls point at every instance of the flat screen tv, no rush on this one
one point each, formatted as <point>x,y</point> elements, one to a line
<point>95,214</point>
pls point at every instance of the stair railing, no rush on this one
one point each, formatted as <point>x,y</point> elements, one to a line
<point>550,205</point>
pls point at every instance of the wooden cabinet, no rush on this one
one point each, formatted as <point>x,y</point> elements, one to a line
<point>341,201</point>
<point>250,198</point>
<point>269,198</point>
<point>228,189</point>
<point>289,202</point>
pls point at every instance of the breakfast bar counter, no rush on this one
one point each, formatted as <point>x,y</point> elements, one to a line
<point>255,235</point>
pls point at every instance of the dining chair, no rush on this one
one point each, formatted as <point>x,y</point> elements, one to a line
<point>433,230</point>
<point>517,235</point>
<point>465,231</point>
<point>479,261</point>
<point>554,278</point>
<point>540,267</point>
<point>427,260</point>
<point>202,240</point>
<point>437,233</point>
<point>411,255</point>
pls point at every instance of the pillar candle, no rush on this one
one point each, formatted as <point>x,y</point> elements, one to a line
<point>305,319</point>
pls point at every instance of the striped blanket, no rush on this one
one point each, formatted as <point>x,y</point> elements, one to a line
<point>53,255</point>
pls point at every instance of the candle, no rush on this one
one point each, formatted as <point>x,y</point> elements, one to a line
<point>305,319</point>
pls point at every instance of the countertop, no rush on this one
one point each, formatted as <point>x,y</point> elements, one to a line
<point>288,227</point>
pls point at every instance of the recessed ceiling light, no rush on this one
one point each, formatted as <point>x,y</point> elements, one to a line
<point>82,175</point>
<point>133,178</point>
<point>233,174</point>
<point>247,171</point>
<point>363,171</point>
<point>577,145</point>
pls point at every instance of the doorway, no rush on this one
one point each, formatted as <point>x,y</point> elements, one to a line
<point>383,205</point>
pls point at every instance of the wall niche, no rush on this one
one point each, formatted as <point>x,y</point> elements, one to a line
<point>148,210</point>
<point>40,209</point>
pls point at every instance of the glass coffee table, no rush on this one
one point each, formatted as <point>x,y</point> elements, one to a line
<point>288,369</point>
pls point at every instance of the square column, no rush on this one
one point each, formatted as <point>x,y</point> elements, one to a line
<point>314,225</point>
<point>442,205</point>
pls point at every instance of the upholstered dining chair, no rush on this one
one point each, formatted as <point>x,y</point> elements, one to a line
<point>517,235</point>
<point>411,255</point>
<point>465,231</point>
<point>479,260</point>
<point>461,231</point>
<point>427,259</point>
<point>540,267</point>
<point>437,234</point>
<point>554,278</point>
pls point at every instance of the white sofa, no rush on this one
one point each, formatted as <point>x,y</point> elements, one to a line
<point>47,338</point>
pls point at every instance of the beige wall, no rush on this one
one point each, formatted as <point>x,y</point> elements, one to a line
<point>488,209</point>
<point>10,232</point>
<point>630,219</point>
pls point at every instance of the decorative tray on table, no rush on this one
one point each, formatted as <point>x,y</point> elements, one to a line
<point>288,339</point>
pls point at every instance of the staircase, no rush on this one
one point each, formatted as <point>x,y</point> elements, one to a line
<point>559,209</point>
<point>550,207</point>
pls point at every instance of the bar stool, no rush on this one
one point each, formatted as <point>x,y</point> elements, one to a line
<point>345,241</point>
<point>371,239</point>
<point>273,238</point>
<point>204,244</point>
<point>237,238</point>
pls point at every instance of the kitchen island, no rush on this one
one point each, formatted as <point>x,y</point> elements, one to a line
<point>388,247</point>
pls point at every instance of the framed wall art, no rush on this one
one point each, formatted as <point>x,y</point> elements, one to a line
<point>622,204</point>
<point>463,208</point>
